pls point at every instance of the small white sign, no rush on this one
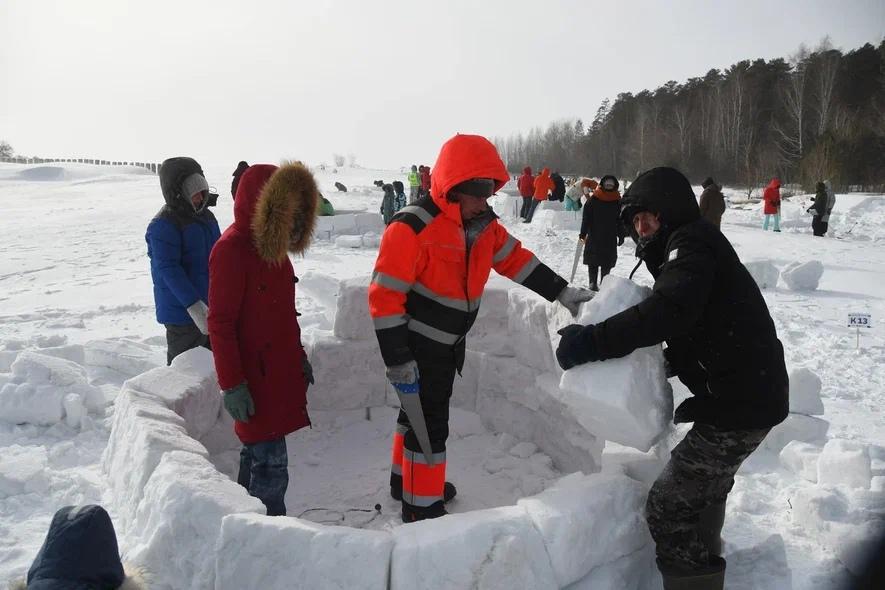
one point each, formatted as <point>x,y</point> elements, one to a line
<point>860,320</point>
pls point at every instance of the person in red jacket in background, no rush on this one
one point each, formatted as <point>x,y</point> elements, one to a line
<point>526,186</point>
<point>543,186</point>
<point>432,268</point>
<point>425,180</point>
<point>772,197</point>
<point>262,368</point>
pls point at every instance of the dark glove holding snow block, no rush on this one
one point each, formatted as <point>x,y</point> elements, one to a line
<point>238,402</point>
<point>576,346</point>
<point>307,368</point>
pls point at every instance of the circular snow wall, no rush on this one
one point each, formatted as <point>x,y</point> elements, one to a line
<point>177,509</point>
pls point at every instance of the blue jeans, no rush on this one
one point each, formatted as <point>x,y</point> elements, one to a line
<point>264,472</point>
<point>777,221</point>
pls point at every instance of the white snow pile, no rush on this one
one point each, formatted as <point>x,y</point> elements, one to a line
<point>803,276</point>
<point>41,387</point>
<point>626,400</point>
<point>764,272</point>
<point>804,422</point>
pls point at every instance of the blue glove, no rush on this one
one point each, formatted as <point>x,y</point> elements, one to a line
<point>576,346</point>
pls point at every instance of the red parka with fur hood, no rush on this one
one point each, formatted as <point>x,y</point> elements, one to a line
<point>253,326</point>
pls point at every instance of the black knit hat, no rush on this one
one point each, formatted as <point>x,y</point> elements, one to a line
<point>476,187</point>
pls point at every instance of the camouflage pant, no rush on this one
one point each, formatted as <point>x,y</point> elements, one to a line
<point>700,474</point>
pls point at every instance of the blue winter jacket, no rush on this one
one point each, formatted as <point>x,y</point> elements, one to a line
<point>179,244</point>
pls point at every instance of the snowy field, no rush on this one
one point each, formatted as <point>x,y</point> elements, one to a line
<point>77,322</point>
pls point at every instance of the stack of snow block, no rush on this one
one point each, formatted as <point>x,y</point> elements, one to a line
<point>626,400</point>
<point>169,499</point>
<point>347,365</point>
<point>556,219</point>
<point>802,423</point>
<point>507,206</point>
<point>128,357</point>
<point>35,391</point>
<point>348,224</point>
<point>551,206</point>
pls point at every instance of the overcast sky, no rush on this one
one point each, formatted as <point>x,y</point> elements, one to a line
<point>387,81</point>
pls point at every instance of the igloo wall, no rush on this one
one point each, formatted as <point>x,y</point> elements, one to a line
<point>176,508</point>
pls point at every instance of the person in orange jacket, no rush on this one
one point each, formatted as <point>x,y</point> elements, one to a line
<point>772,198</point>
<point>543,186</point>
<point>432,267</point>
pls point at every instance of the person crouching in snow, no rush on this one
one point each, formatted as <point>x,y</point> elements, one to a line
<point>179,239</point>
<point>80,552</point>
<point>721,343</point>
<point>432,267</point>
<point>262,368</point>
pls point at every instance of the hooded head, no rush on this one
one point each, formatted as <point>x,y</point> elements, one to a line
<point>80,551</point>
<point>462,158</point>
<point>775,182</point>
<point>527,170</point>
<point>821,187</point>
<point>708,182</point>
<point>664,192</point>
<point>174,173</point>
<point>278,207</point>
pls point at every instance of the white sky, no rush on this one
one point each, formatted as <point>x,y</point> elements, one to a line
<point>387,81</point>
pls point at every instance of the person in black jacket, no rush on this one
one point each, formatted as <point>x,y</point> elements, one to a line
<point>821,198</point>
<point>558,187</point>
<point>601,229</point>
<point>241,167</point>
<point>721,343</point>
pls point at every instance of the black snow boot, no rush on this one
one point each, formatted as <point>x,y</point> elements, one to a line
<point>449,492</point>
<point>710,528</point>
<point>711,577</point>
<point>416,513</point>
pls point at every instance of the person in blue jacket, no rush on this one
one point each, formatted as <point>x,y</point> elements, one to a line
<point>179,239</point>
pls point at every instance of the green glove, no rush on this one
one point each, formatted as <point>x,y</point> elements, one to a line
<point>238,402</point>
<point>307,369</point>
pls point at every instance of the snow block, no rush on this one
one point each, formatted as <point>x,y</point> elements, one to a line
<point>495,548</point>
<point>178,522</point>
<point>465,387</point>
<point>330,226</point>
<point>349,374</point>
<point>349,241</point>
<point>643,467</point>
<point>844,462</point>
<point>801,459</point>
<point>72,352</point>
<point>805,393</point>
<point>371,240</point>
<point>189,388</point>
<point>803,276</point>
<point>352,319</point>
<point>37,388</point>
<point>124,356</point>
<point>142,432</point>
<point>626,400</point>
<point>23,470</point>
<point>550,206</point>
<point>269,552</point>
<point>506,206</point>
<point>558,220</point>
<point>636,571</point>
<point>489,332</point>
<point>796,427</point>
<point>528,327</point>
<point>764,272</point>
<point>369,222</point>
<point>588,521</point>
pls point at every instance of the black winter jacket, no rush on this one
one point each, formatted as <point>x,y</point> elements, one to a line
<point>721,339</point>
<point>600,230</point>
<point>558,187</point>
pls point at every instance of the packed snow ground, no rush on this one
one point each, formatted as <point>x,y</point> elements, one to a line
<point>75,285</point>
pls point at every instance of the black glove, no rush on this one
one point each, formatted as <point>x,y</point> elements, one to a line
<point>576,346</point>
<point>308,371</point>
<point>694,409</point>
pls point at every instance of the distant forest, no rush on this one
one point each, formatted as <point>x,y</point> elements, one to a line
<point>819,114</point>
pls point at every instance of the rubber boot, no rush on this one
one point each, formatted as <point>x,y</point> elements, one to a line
<point>711,577</point>
<point>710,528</point>
<point>449,492</point>
<point>416,513</point>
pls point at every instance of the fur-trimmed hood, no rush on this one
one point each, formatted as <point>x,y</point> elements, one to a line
<point>278,207</point>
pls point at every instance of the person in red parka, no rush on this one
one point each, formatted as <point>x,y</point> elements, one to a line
<point>526,186</point>
<point>772,198</point>
<point>262,368</point>
<point>543,186</point>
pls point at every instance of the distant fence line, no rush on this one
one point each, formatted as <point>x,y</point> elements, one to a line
<point>152,166</point>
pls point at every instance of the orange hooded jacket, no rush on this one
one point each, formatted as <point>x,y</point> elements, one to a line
<point>543,185</point>
<point>428,280</point>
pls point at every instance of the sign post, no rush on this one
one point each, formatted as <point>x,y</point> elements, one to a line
<point>858,321</point>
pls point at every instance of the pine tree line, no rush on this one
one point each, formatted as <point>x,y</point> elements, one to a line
<point>817,115</point>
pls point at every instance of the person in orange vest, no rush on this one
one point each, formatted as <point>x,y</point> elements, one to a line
<point>432,267</point>
<point>543,185</point>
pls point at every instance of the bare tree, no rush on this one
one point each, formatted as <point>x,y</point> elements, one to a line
<point>792,135</point>
<point>824,85</point>
<point>6,150</point>
<point>683,122</point>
